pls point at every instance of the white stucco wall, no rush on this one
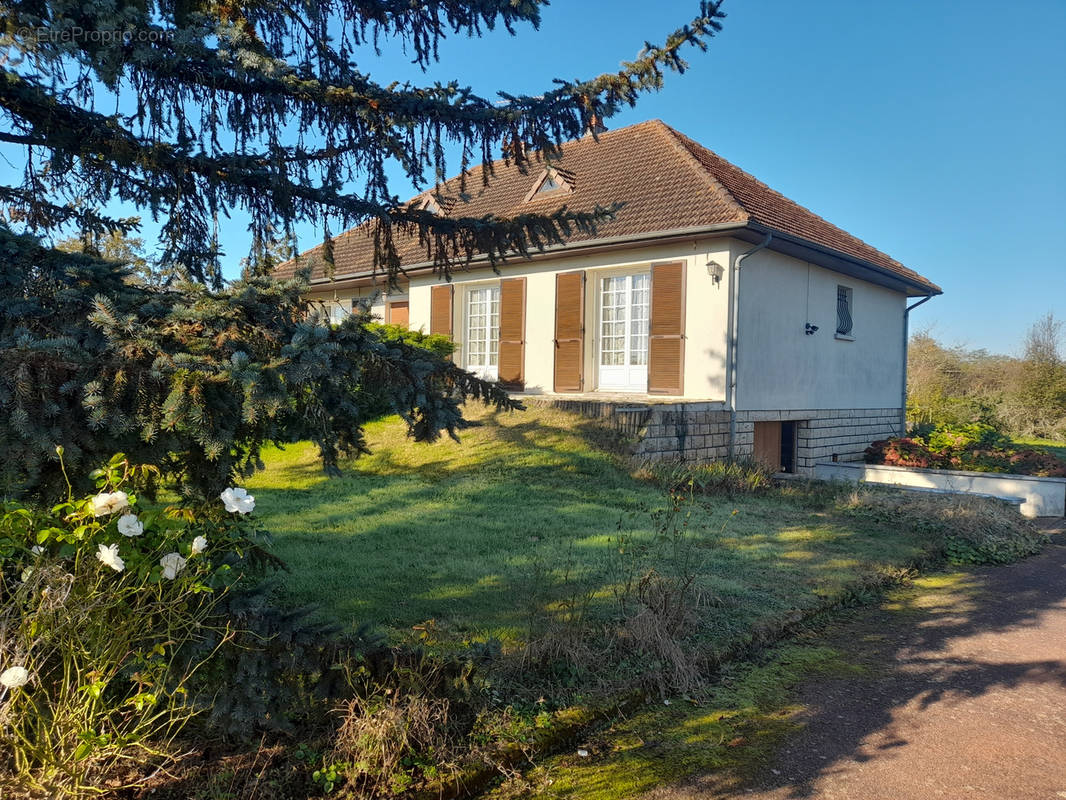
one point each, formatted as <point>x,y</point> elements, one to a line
<point>779,367</point>
<point>706,310</point>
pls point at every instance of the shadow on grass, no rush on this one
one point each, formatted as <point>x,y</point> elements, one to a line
<point>483,535</point>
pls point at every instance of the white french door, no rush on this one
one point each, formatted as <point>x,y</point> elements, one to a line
<point>623,346</point>
<point>482,343</point>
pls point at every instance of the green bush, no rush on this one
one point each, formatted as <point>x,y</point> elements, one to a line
<point>976,447</point>
<point>944,437</point>
<point>437,343</point>
<point>375,399</point>
<point>100,601</point>
<point>716,477</point>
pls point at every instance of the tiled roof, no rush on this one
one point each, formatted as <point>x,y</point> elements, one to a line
<point>665,181</point>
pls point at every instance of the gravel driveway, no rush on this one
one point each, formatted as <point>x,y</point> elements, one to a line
<point>964,697</point>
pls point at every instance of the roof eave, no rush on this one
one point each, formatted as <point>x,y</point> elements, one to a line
<point>823,256</point>
<point>782,242</point>
<point>592,245</point>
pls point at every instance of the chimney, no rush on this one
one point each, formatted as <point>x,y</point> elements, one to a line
<point>595,126</point>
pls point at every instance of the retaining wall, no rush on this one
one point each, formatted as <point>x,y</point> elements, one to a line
<point>1040,497</point>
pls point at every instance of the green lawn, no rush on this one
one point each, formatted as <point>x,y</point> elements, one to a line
<point>526,512</point>
<point>1056,448</point>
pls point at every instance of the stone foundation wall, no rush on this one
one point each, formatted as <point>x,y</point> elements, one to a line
<point>700,431</point>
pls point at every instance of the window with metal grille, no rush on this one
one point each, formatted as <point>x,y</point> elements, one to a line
<point>844,321</point>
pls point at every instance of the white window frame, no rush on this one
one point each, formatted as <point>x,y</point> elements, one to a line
<point>483,361</point>
<point>627,377</point>
<point>336,311</point>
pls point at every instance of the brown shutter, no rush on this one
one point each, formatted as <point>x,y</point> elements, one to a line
<point>512,333</point>
<point>440,309</point>
<point>666,345</point>
<point>398,313</point>
<point>569,331</point>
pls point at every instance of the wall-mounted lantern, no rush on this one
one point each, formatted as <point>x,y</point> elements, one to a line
<point>715,270</point>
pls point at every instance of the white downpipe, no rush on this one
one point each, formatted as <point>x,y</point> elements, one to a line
<point>733,321</point>
<point>906,342</point>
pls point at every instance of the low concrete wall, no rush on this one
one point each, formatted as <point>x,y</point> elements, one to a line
<point>1041,497</point>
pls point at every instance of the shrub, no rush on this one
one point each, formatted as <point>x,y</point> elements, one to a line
<point>971,453</point>
<point>437,343</point>
<point>375,399</point>
<point>716,477</point>
<point>902,452</point>
<point>968,530</point>
<point>100,600</point>
<point>944,437</point>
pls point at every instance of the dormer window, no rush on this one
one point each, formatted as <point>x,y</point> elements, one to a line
<point>427,203</point>
<point>550,181</point>
<point>549,184</point>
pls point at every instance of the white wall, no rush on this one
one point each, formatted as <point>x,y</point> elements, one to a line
<point>780,367</point>
<point>1040,497</point>
<point>706,310</point>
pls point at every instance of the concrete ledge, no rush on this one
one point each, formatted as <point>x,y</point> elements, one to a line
<point>1040,497</point>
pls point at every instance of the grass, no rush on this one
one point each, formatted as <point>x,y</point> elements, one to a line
<point>462,541</point>
<point>1056,448</point>
<point>723,745</point>
<point>731,734</point>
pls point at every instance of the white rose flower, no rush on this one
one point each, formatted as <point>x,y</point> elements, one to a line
<point>109,502</point>
<point>129,525</point>
<point>172,564</point>
<point>237,500</point>
<point>14,677</point>
<point>199,544</point>
<point>109,555</point>
<point>37,550</point>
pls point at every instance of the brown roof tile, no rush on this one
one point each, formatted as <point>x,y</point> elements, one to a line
<point>666,182</point>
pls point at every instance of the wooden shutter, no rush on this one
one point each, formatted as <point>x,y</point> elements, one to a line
<point>398,313</point>
<point>512,354</point>
<point>666,344</point>
<point>440,309</point>
<point>569,331</point>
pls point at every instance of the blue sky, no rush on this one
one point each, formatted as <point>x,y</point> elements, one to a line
<point>933,129</point>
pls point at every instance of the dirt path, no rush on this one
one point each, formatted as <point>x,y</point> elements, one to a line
<point>964,697</point>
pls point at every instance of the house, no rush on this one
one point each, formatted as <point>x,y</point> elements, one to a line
<point>713,315</point>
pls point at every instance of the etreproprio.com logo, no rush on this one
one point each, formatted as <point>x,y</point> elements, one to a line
<point>94,35</point>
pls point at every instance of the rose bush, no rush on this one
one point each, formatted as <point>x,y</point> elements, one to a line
<point>101,603</point>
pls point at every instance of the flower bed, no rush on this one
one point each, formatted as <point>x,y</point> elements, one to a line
<point>913,452</point>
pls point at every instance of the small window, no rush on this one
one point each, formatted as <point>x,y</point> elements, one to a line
<point>552,180</point>
<point>844,320</point>
<point>336,311</point>
<point>428,204</point>
<point>549,184</point>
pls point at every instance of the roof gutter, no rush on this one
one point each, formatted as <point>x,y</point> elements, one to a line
<point>906,342</point>
<point>593,245</point>
<point>659,237</point>
<point>780,236</point>
<point>733,323</point>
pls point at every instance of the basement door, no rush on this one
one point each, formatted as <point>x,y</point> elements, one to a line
<point>623,347</point>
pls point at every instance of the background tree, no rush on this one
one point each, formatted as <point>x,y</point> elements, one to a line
<point>193,111</point>
<point>1042,378</point>
<point>1021,396</point>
